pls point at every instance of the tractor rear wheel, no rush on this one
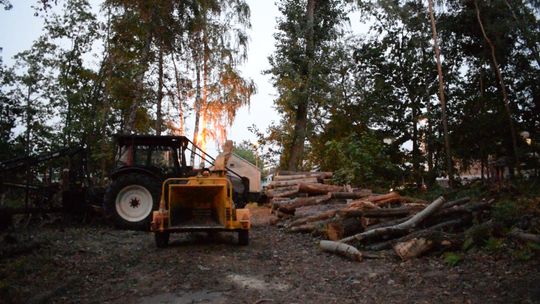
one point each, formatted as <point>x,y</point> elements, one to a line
<point>243,237</point>
<point>162,239</point>
<point>130,200</point>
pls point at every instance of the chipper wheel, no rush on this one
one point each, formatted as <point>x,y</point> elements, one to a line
<point>130,200</point>
<point>162,239</point>
<point>243,237</point>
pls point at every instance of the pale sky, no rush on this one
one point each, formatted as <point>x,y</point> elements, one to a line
<point>19,28</point>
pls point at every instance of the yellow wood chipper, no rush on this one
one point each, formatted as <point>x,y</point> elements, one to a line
<point>201,203</point>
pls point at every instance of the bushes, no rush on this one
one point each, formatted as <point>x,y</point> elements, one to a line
<point>360,160</point>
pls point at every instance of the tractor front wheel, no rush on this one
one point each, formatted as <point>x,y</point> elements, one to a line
<point>130,200</point>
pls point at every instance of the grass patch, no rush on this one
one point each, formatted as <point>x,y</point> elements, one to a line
<point>453,258</point>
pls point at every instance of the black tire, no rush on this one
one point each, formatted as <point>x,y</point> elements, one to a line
<point>147,186</point>
<point>162,239</point>
<point>243,237</point>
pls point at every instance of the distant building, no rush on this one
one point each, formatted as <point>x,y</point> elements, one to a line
<point>247,169</point>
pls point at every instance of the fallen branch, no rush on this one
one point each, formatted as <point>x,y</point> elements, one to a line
<point>424,233</point>
<point>341,249</point>
<point>524,236</point>
<point>399,228</point>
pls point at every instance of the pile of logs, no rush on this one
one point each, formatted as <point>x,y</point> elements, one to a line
<point>357,223</point>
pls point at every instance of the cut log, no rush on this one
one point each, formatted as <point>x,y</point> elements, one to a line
<point>412,248</point>
<point>305,228</point>
<point>341,249</point>
<point>276,203</point>
<point>366,221</point>
<point>293,182</point>
<point>364,205</point>
<point>280,178</point>
<point>282,191</point>
<point>317,174</point>
<point>290,208</point>
<point>399,229</point>
<point>319,188</point>
<point>308,219</point>
<point>356,209</point>
<point>382,197</point>
<point>282,215</point>
<point>340,228</point>
<point>524,236</point>
<point>351,195</point>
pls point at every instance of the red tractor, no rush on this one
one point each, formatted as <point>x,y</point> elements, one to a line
<point>142,164</point>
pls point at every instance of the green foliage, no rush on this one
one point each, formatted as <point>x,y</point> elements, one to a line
<point>300,68</point>
<point>494,244</point>
<point>248,151</point>
<point>468,244</point>
<point>360,160</point>
<point>452,258</point>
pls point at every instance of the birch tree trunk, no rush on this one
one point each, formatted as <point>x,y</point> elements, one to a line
<point>442,98</point>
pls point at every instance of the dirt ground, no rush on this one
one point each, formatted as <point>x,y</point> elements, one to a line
<point>97,264</point>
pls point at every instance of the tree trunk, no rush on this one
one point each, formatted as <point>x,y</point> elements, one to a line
<point>300,125</point>
<point>415,148</point>
<point>442,98</point>
<point>180,96</point>
<point>159,119</point>
<point>206,58</point>
<point>498,73</point>
<point>139,97</point>
<point>197,107</point>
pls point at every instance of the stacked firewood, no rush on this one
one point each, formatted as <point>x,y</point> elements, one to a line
<point>357,223</point>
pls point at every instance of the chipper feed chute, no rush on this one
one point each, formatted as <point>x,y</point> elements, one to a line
<point>202,203</point>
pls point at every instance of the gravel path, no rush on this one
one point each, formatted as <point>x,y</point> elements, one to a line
<point>103,265</point>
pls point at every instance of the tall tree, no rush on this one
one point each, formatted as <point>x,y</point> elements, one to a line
<point>502,86</point>
<point>304,34</point>
<point>442,99</point>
